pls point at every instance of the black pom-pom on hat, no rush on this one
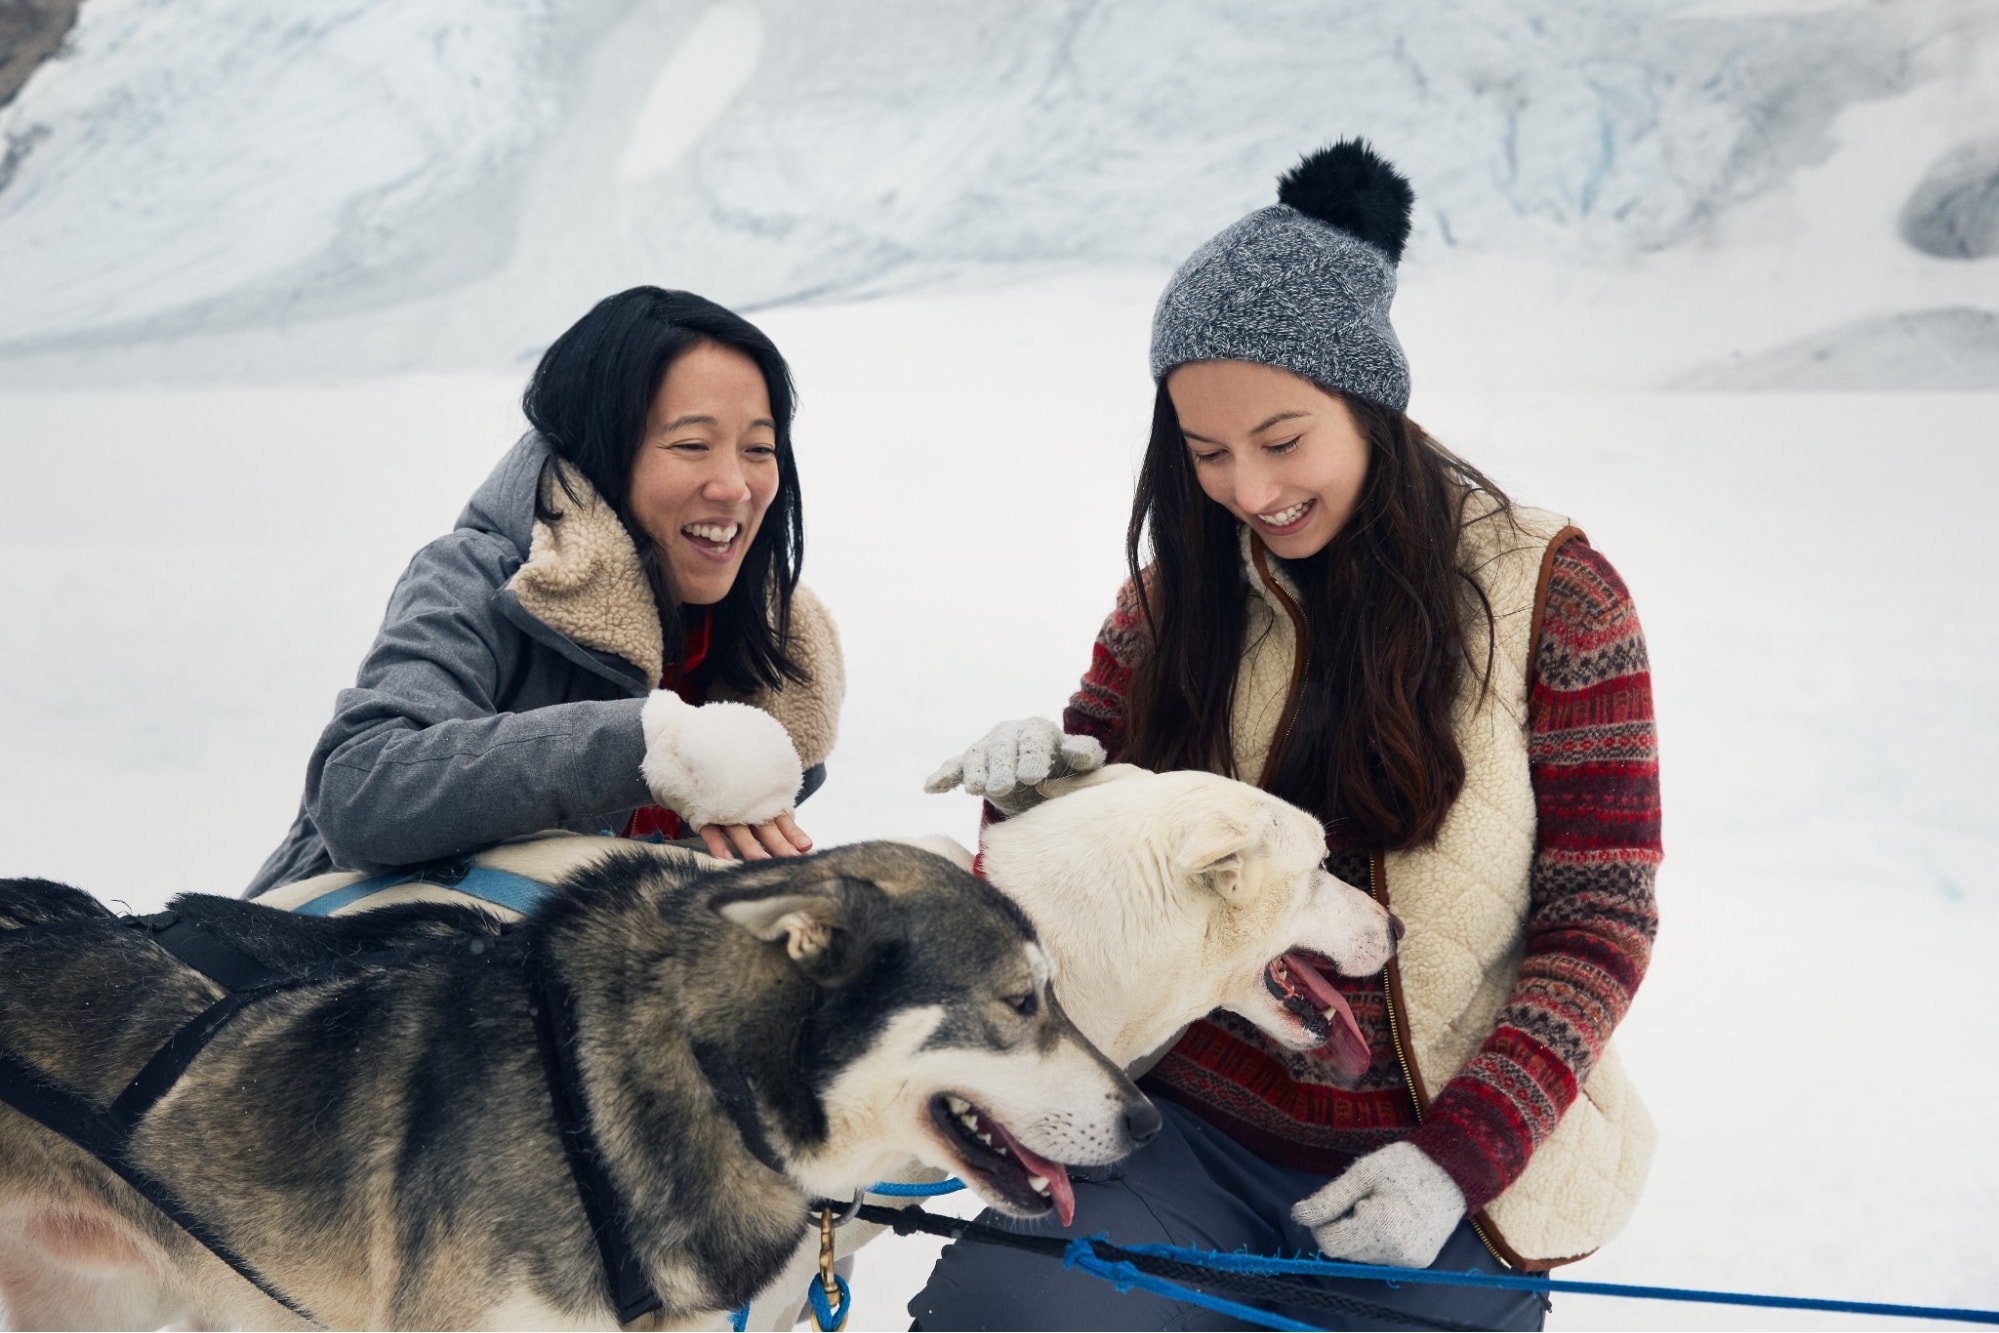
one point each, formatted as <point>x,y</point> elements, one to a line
<point>1352,187</point>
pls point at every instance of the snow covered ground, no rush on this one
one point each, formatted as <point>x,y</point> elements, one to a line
<point>267,297</point>
<point>185,586</point>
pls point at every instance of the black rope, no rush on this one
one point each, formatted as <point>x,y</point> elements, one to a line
<point>1281,1289</point>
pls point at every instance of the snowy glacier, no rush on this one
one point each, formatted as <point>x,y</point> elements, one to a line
<point>360,187</point>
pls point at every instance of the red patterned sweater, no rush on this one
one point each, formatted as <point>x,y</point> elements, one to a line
<point>1594,761</point>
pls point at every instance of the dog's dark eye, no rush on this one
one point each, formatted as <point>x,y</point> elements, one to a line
<point>1025,1004</point>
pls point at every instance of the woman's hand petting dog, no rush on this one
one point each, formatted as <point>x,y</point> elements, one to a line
<point>1007,763</point>
<point>756,842</point>
<point>1393,1206</point>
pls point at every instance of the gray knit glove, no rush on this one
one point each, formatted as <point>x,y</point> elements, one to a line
<point>1007,763</point>
<point>1393,1206</point>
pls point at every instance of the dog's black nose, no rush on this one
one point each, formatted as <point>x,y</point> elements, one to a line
<point>1395,925</point>
<point>1141,1123</point>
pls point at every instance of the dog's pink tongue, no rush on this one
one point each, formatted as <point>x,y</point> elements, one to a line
<point>1059,1188</point>
<point>1345,1047</point>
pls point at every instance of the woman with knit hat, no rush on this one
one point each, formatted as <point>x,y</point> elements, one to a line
<point>1342,611</point>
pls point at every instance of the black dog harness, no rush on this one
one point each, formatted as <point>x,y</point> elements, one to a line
<point>106,1133</point>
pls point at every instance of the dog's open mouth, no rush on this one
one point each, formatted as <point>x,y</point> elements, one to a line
<point>1301,983</point>
<point>1029,1184</point>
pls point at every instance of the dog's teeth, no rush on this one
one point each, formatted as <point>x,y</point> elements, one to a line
<point>1328,1012</point>
<point>986,1139</point>
<point>1001,1150</point>
<point>958,1105</point>
<point>1039,1184</point>
<point>971,1122</point>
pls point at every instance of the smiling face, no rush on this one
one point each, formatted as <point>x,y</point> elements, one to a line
<point>1272,448</point>
<point>706,471</point>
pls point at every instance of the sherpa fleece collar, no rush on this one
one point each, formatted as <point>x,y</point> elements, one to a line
<point>582,577</point>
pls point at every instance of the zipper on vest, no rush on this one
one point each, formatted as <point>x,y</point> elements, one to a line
<point>1389,985</point>
<point>1391,982</point>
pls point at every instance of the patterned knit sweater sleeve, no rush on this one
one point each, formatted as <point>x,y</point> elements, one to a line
<point>1098,706</point>
<point>1595,766</point>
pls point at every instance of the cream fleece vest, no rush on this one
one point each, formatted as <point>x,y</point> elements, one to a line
<point>1465,897</point>
<point>582,578</point>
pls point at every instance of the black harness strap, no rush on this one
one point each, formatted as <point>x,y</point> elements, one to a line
<point>631,1291</point>
<point>738,1101</point>
<point>107,1134</point>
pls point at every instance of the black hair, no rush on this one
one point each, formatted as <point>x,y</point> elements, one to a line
<point>589,398</point>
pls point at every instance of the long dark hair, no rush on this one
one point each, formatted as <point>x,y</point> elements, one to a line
<point>589,397</point>
<point>1370,749</point>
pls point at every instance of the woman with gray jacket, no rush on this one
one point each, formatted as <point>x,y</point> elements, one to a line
<point>613,640</point>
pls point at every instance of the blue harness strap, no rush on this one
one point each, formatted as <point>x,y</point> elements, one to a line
<point>499,887</point>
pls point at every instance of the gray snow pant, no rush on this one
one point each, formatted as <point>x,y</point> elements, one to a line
<point>1192,1186</point>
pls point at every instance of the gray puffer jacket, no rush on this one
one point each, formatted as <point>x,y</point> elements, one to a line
<point>502,694</point>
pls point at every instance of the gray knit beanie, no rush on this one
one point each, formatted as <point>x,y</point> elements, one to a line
<point>1303,285</point>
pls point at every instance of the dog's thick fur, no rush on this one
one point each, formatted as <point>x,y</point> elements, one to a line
<point>1164,896</point>
<point>381,1147</point>
<point>1161,897</point>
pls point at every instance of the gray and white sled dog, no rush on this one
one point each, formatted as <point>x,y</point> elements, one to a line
<point>383,1146</point>
<point>1158,897</point>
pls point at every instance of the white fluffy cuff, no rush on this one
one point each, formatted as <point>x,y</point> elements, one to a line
<point>720,763</point>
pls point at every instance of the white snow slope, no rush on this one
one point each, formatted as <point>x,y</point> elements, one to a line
<point>296,262</point>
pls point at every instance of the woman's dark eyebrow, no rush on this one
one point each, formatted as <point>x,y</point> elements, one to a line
<point>1260,428</point>
<point>1281,416</point>
<point>699,419</point>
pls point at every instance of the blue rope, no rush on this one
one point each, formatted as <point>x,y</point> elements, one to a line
<point>823,1313</point>
<point>896,1190</point>
<point>1124,1277</point>
<point>740,1320</point>
<point>1258,1263</point>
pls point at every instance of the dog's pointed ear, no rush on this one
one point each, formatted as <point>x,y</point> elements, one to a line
<point>1211,852</point>
<point>801,920</point>
<point>826,929</point>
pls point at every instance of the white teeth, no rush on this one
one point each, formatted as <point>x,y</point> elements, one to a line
<point>1001,1150</point>
<point>1284,518</point>
<point>957,1104</point>
<point>1039,1184</point>
<point>986,1139</point>
<point>1328,1012</point>
<point>721,534</point>
<point>971,1122</point>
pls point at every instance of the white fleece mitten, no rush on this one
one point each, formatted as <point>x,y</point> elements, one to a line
<point>719,763</point>
<point>1393,1206</point>
<point>1008,761</point>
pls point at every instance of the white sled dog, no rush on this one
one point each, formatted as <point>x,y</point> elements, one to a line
<point>418,1118</point>
<point>1159,897</point>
